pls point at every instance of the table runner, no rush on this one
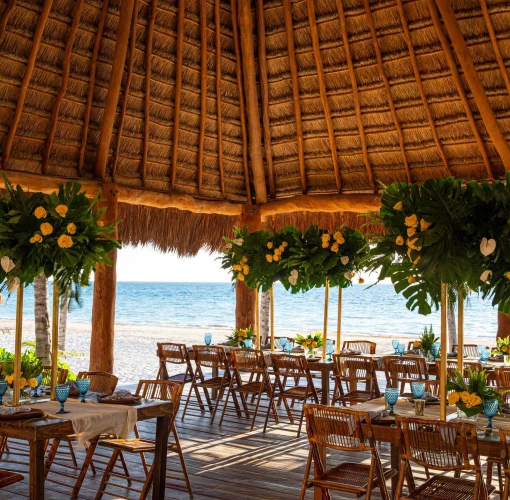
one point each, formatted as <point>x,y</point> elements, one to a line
<point>90,420</point>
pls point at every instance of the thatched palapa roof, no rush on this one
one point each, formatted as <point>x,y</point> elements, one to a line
<point>248,101</point>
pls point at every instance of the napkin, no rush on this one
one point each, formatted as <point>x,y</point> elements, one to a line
<point>430,397</point>
<point>13,410</point>
<point>120,394</point>
<point>505,408</point>
<point>374,415</point>
<point>350,351</point>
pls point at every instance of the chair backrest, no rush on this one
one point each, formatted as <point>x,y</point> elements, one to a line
<point>503,381</point>
<point>61,375</point>
<point>210,356</point>
<point>504,435</point>
<point>101,382</point>
<point>170,352</point>
<point>405,369</point>
<point>470,350</point>
<point>338,428</point>
<point>165,390</point>
<point>363,346</point>
<point>248,360</point>
<point>288,366</point>
<point>353,368</point>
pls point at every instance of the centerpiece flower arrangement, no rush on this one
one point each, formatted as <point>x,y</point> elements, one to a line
<point>503,348</point>
<point>310,343</point>
<point>240,335</point>
<point>426,341</point>
<point>31,367</point>
<point>468,395</point>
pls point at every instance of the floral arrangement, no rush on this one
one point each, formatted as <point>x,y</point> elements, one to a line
<point>300,261</point>
<point>468,395</point>
<point>445,231</point>
<point>238,337</point>
<point>309,342</point>
<point>502,347</point>
<point>427,340</point>
<point>31,367</point>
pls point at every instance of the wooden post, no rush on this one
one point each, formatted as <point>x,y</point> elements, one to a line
<point>257,319</point>
<point>17,345</point>
<point>271,312</point>
<point>325,332</point>
<point>54,339</point>
<point>460,331</point>
<point>503,325</point>
<point>103,308</point>
<point>443,374</point>
<point>339,321</point>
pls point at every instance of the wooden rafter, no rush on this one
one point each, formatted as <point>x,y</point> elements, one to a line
<point>112,96</point>
<point>63,84</point>
<point>203,90</point>
<point>178,88</point>
<point>92,79</point>
<point>4,18</point>
<point>458,83</point>
<point>323,92</point>
<point>134,22</point>
<point>264,93</point>
<point>473,80</point>
<point>495,45</point>
<point>419,83</point>
<point>41,23</point>
<point>387,89</point>
<point>291,47</point>
<point>147,101</point>
<point>240,87</point>
<point>217,20</point>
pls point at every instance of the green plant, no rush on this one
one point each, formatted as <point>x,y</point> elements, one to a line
<point>238,336</point>
<point>310,341</point>
<point>427,339</point>
<point>31,367</point>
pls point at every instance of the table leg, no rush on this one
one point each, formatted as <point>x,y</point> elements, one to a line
<point>317,493</point>
<point>395,464</point>
<point>160,453</point>
<point>36,470</point>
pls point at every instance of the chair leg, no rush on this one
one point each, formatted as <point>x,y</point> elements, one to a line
<point>193,386</point>
<point>256,407</point>
<point>307,474</point>
<point>500,479</point>
<point>124,466</point>
<point>107,474</point>
<point>226,400</point>
<point>71,452</point>
<point>83,472</point>
<point>51,456</point>
<point>183,462</point>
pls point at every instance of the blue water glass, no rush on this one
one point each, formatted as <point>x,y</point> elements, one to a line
<point>38,379</point>
<point>289,346</point>
<point>418,390</point>
<point>3,389</point>
<point>248,343</point>
<point>486,354</point>
<point>208,338</point>
<point>391,396</point>
<point>83,385</point>
<point>401,349</point>
<point>480,348</point>
<point>434,350</point>
<point>330,349</point>
<point>283,342</point>
<point>395,344</point>
<point>62,393</point>
<point>490,408</point>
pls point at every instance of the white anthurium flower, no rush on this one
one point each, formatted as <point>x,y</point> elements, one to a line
<point>293,277</point>
<point>7,264</point>
<point>13,284</point>
<point>238,241</point>
<point>349,276</point>
<point>1,299</point>
<point>487,246</point>
<point>344,260</point>
<point>486,275</point>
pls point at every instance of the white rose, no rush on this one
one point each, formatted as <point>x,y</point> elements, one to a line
<point>238,241</point>
<point>487,246</point>
<point>7,264</point>
<point>486,275</point>
<point>344,260</point>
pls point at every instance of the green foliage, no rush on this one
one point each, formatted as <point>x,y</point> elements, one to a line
<point>428,339</point>
<point>237,337</point>
<point>31,365</point>
<point>310,341</point>
<point>503,346</point>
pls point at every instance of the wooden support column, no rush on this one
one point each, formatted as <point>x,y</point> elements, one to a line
<point>503,325</point>
<point>103,308</point>
<point>246,299</point>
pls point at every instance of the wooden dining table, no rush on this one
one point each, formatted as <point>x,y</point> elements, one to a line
<point>37,431</point>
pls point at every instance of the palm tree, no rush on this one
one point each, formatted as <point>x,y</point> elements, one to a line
<point>42,318</point>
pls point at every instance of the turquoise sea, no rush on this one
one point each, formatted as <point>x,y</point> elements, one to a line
<point>376,310</point>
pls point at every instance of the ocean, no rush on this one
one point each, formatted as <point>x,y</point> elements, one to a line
<point>375,310</point>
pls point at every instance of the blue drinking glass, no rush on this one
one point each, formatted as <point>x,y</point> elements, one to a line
<point>490,408</point>
<point>418,390</point>
<point>391,396</point>
<point>395,344</point>
<point>480,348</point>
<point>3,389</point>
<point>83,385</point>
<point>62,393</point>
<point>486,354</point>
<point>38,379</point>
<point>208,338</point>
<point>401,349</point>
<point>434,350</point>
<point>330,349</point>
<point>283,341</point>
<point>289,346</point>
<point>248,343</point>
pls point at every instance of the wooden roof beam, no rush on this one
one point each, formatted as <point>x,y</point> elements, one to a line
<point>291,47</point>
<point>458,83</point>
<point>419,83</point>
<point>323,92</point>
<point>473,80</point>
<point>387,88</point>
<point>252,105</point>
<point>4,18</point>
<point>355,93</point>
<point>264,93</point>
<point>203,91</point>
<point>63,84</point>
<point>41,23</point>
<point>217,20</point>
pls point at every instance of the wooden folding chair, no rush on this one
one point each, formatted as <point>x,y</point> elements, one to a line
<point>350,371</point>
<point>470,350</point>
<point>504,435</point>
<point>287,367</point>
<point>363,346</point>
<point>61,375</point>
<point>444,447</point>
<point>7,478</point>
<point>339,428</point>
<point>170,353</point>
<point>402,370</point>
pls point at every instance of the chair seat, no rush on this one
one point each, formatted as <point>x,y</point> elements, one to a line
<point>439,487</point>
<point>297,392</point>
<point>249,387</point>
<point>182,378</point>
<point>8,477</point>
<point>349,476</point>
<point>213,383</point>
<point>356,396</point>
<point>136,445</point>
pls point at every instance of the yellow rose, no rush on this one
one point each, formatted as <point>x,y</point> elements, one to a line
<point>475,400</point>
<point>411,231</point>
<point>61,210</point>
<point>100,223</point>
<point>269,257</point>
<point>40,213</point>
<point>325,244</point>
<point>244,259</point>
<point>504,348</point>
<point>424,225</point>
<point>361,281</point>
<point>244,334</point>
<point>277,251</point>
<point>397,206</point>
<point>239,339</point>
<point>399,240</point>
<point>453,398</point>
<point>285,244</point>
<point>22,382</point>
<point>334,247</point>
<point>246,269</point>
<point>276,257</point>
<point>314,344</point>
<point>71,228</point>
<point>326,237</point>
<point>304,344</point>
<point>237,267</point>
<point>32,383</point>
<point>270,245</point>
<point>417,344</point>
<point>9,379</point>
<point>411,280</point>
<point>339,238</point>
<point>508,275</point>
<point>46,228</point>
<point>240,276</point>
<point>65,241</point>
<point>309,341</point>
<point>411,243</point>
<point>464,396</point>
<point>36,238</point>
<point>411,221</point>
<point>281,248</point>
